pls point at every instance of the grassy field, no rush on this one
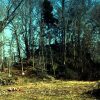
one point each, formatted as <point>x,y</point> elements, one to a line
<point>27,89</point>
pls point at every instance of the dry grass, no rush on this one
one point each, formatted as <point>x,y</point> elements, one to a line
<point>25,89</point>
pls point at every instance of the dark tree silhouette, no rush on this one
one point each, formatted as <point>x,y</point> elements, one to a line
<point>48,17</point>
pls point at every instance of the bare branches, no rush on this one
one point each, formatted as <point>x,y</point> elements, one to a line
<point>9,17</point>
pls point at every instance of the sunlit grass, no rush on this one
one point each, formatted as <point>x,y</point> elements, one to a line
<point>46,90</point>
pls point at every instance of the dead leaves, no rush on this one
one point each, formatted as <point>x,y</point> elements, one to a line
<point>13,89</point>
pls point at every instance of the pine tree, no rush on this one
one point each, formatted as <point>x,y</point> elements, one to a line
<point>47,13</point>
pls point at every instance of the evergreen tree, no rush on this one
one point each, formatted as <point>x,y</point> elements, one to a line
<point>48,17</point>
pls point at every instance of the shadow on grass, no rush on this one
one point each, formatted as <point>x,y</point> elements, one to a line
<point>94,93</point>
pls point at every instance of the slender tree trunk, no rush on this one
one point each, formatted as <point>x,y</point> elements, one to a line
<point>63,32</point>
<point>18,46</point>
<point>51,55</point>
<point>41,48</point>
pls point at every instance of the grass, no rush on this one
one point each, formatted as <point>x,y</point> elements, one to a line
<point>27,89</point>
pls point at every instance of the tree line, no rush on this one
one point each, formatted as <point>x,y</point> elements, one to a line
<point>57,37</point>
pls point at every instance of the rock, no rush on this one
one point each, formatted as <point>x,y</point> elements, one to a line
<point>23,73</point>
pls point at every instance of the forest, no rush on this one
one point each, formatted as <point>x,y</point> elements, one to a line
<point>49,49</point>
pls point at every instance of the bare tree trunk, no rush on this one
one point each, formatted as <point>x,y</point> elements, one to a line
<point>41,48</point>
<point>63,32</point>
<point>18,46</point>
<point>51,55</point>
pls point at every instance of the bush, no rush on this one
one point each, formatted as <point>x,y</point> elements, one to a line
<point>6,81</point>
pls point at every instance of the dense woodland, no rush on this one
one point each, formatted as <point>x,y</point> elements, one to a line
<point>60,38</point>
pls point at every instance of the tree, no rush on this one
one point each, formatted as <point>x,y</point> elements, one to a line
<point>96,14</point>
<point>63,32</point>
<point>48,17</point>
<point>10,16</point>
